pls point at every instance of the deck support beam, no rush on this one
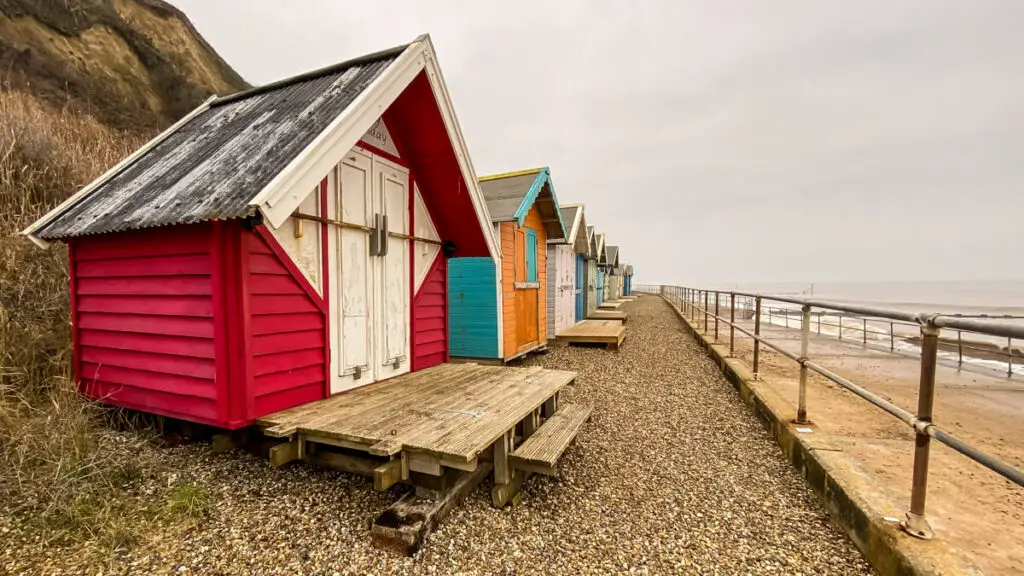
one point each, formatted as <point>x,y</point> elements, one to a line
<point>404,526</point>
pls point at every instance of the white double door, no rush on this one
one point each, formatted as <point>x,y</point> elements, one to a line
<point>565,270</point>
<point>369,271</point>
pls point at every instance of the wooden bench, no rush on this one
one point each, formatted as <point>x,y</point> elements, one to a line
<point>541,451</point>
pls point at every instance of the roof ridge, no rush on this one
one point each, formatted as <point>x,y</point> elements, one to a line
<point>511,174</point>
<point>319,72</point>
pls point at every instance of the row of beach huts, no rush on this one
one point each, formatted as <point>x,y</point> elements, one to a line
<point>314,235</point>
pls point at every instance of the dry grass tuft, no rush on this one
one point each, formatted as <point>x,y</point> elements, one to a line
<point>64,472</point>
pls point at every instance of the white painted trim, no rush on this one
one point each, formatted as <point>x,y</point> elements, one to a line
<point>114,171</point>
<point>278,199</point>
<point>500,293</point>
<point>469,174</point>
<point>574,229</point>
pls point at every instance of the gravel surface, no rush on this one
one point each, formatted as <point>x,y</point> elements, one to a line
<point>673,475</point>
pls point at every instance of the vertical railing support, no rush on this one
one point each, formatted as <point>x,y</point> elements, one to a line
<point>892,336</point>
<point>717,314</point>
<point>757,332</point>
<point>707,305</point>
<point>1009,357</point>
<point>732,324</point>
<point>819,323</point>
<point>805,336</point>
<point>959,348</point>
<point>916,524</point>
<point>840,316</point>
<point>865,330</point>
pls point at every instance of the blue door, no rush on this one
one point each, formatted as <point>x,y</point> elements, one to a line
<point>579,287</point>
<point>600,286</point>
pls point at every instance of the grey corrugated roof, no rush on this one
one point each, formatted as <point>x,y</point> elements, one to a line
<point>613,255</point>
<point>212,166</point>
<point>568,217</point>
<point>505,195</point>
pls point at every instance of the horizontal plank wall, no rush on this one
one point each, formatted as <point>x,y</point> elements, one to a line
<point>508,290</point>
<point>430,311</point>
<point>472,307</point>
<point>144,321</point>
<point>285,329</point>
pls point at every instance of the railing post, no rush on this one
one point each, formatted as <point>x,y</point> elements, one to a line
<point>687,295</point>
<point>717,294</point>
<point>732,324</point>
<point>819,323</point>
<point>1009,357</point>
<point>840,316</point>
<point>707,304</point>
<point>892,336</point>
<point>916,524</point>
<point>757,332</point>
<point>865,329</point>
<point>805,335</point>
<point>959,348</point>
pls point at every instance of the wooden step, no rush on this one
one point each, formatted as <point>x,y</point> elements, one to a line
<point>541,451</point>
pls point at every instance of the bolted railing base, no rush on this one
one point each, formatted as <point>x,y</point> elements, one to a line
<point>917,526</point>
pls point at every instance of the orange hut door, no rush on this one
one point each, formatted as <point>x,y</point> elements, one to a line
<point>527,289</point>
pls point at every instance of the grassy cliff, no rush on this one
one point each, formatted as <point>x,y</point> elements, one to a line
<point>82,84</point>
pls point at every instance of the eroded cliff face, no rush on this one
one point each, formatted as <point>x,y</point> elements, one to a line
<point>133,64</point>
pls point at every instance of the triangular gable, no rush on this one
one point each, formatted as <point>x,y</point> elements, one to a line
<point>592,241</point>
<point>511,195</point>
<point>601,256</point>
<point>612,256</point>
<point>576,228</point>
<point>262,150</point>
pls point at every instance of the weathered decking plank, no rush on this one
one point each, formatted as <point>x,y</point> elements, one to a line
<point>609,305</point>
<point>541,452</point>
<point>450,411</point>
<point>608,315</point>
<point>610,332</point>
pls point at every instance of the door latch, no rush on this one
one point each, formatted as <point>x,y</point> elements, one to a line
<point>397,364</point>
<point>383,231</point>
<point>375,236</point>
<point>358,373</point>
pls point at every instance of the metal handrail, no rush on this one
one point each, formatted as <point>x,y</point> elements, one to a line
<point>930,325</point>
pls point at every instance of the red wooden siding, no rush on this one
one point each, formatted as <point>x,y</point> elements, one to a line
<point>430,313</point>
<point>144,320</point>
<point>285,329</point>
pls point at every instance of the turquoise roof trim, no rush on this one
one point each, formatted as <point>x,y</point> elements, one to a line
<point>543,177</point>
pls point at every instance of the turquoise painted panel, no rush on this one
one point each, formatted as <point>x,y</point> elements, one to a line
<point>531,255</point>
<point>472,308</point>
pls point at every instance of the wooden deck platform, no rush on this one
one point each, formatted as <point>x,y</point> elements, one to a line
<point>442,430</point>
<point>608,315</point>
<point>609,332</point>
<point>609,305</point>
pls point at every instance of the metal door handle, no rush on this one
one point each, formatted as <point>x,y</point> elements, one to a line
<point>383,231</point>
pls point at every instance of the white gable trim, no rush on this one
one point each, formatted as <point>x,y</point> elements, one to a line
<point>281,196</point>
<point>114,171</point>
<point>444,102</point>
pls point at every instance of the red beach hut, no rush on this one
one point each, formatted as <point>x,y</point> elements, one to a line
<point>275,246</point>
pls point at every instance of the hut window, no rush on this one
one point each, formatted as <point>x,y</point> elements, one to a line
<point>531,255</point>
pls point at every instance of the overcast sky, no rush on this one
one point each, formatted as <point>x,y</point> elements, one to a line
<point>758,141</point>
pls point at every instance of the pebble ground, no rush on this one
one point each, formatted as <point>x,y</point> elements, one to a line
<point>673,475</point>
